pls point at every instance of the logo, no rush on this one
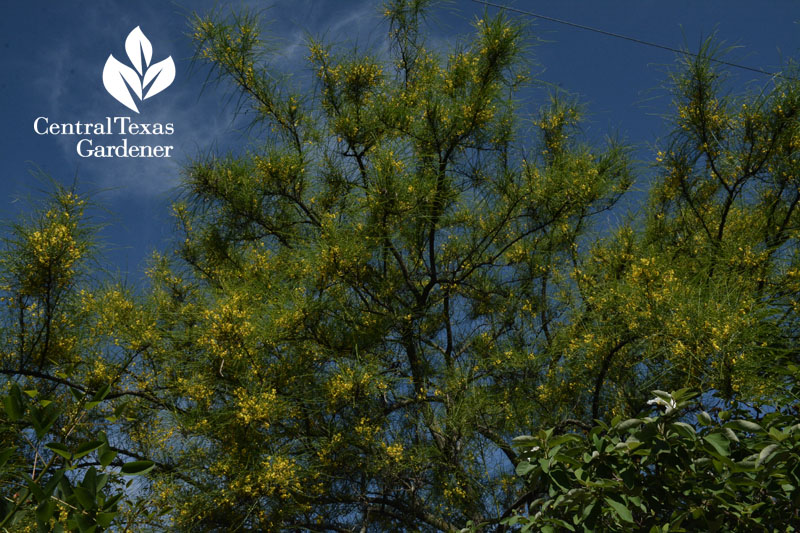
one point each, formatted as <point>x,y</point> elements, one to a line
<point>120,136</point>
<point>147,80</point>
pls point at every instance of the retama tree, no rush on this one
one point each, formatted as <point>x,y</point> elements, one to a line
<point>404,270</point>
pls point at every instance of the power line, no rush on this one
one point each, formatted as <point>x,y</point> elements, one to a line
<point>626,37</point>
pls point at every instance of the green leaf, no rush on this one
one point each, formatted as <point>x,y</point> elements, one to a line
<point>50,488</point>
<point>544,464</point>
<point>665,396</point>
<point>90,480</point>
<point>102,479</point>
<point>137,468</point>
<point>38,493</point>
<point>65,487</point>
<point>745,425</point>
<point>105,519</point>
<point>704,419</point>
<point>85,523</point>
<point>44,512</point>
<point>60,449</point>
<point>524,440</point>
<point>43,419</point>
<point>101,393</point>
<point>777,434</point>
<point>106,456</point>
<point>621,509</point>
<point>84,497</point>
<point>630,423</point>
<point>86,448</point>
<point>728,432</point>
<point>562,439</point>
<point>719,442</point>
<point>683,429</point>
<point>5,455</point>
<point>765,453</point>
<point>524,467</point>
<point>14,404</point>
<point>561,479</point>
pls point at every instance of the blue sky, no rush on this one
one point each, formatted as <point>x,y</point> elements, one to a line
<point>53,55</point>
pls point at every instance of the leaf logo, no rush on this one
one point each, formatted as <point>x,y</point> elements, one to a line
<point>120,79</point>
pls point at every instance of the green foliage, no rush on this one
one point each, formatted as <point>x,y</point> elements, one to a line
<point>70,484</point>
<point>680,469</point>
<point>65,386</point>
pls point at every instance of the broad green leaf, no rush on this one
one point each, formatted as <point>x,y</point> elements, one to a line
<point>777,434</point>
<point>719,442</point>
<point>745,425</point>
<point>5,455</point>
<point>43,419</point>
<point>85,523</point>
<point>544,463</point>
<point>89,481</point>
<point>34,488</point>
<point>523,468</point>
<point>14,404</point>
<point>136,468</point>
<point>630,423</point>
<point>106,456</point>
<point>105,519</point>
<point>87,448</point>
<point>765,453</point>
<point>562,439</point>
<point>85,498</point>
<point>50,488</point>
<point>665,396</point>
<point>684,429</point>
<point>621,509</point>
<point>44,512</point>
<point>60,449</point>
<point>524,440</point>
<point>729,434</point>
<point>704,419</point>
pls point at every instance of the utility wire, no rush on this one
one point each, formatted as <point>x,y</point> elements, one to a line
<point>627,38</point>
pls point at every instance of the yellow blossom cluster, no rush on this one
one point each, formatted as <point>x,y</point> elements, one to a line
<point>228,328</point>
<point>55,242</point>
<point>275,476</point>
<point>255,407</point>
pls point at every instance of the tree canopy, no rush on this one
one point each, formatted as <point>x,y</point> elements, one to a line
<point>401,272</point>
